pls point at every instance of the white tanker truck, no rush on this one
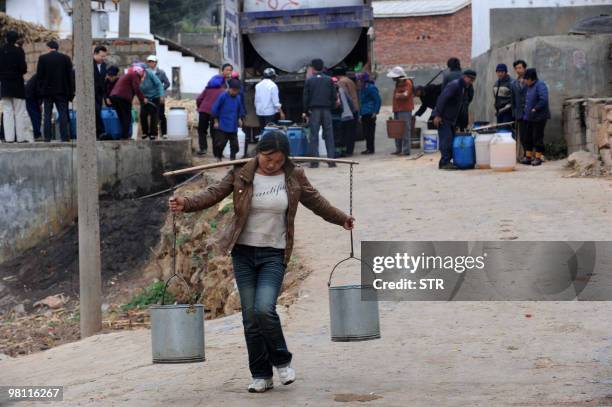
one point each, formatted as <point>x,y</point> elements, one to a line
<point>287,35</point>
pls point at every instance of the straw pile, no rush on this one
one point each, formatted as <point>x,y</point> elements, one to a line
<point>208,272</point>
<point>30,32</point>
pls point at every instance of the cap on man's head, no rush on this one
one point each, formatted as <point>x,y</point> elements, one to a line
<point>53,45</point>
<point>12,37</point>
<point>269,73</point>
<point>234,83</point>
<point>470,72</point>
<point>501,68</point>
<point>151,58</point>
<point>317,64</point>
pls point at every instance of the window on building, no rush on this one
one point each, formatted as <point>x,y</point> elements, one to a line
<point>3,6</point>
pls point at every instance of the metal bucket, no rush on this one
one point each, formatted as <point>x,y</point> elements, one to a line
<point>177,333</point>
<point>351,318</point>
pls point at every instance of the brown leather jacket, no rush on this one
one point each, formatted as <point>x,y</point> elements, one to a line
<point>240,181</point>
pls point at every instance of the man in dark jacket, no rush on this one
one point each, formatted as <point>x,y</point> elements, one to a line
<point>429,96</point>
<point>448,109</point>
<point>12,90</point>
<point>99,66</point>
<point>502,92</point>
<point>320,97</point>
<point>56,87</point>
<point>453,72</point>
<point>537,113</point>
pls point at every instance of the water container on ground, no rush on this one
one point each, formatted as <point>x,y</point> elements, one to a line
<point>464,153</point>
<point>503,151</point>
<point>112,126</point>
<point>483,150</point>
<point>177,123</point>
<point>297,141</point>
<point>241,146</point>
<point>430,141</point>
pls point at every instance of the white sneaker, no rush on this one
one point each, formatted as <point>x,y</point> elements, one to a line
<point>286,374</point>
<point>261,385</point>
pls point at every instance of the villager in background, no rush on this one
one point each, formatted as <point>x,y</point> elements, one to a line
<point>429,96</point>
<point>122,95</point>
<point>153,89</point>
<point>205,102</point>
<point>519,93</point>
<point>537,113</point>
<point>152,62</point>
<point>453,72</point>
<point>403,104</point>
<point>228,113</point>
<point>447,111</point>
<point>12,90</point>
<point>55,80</point>
<point>350,111</point>
<point>267,192</point>
<point>320,97</point>
<point>34,106</point>
<point>369,98</point>
<point>502,93</point>
<point>112,76</point>
<point>267,103</point>
<point>99,68</point>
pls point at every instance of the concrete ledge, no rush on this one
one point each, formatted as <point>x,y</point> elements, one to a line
<point>38,183</point>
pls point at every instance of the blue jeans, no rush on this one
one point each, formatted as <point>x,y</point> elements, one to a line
<point>402,145</point>
<point>259,273</point>
<point>446,134</point>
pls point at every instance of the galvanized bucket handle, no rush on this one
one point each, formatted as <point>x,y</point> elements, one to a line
<point>352,255</point>
<point>175,274</point>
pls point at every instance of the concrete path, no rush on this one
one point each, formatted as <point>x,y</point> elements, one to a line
<point>430,354</point>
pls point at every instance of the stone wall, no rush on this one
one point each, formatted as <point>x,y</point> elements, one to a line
<point>38,183</point>
<point>587,125</point>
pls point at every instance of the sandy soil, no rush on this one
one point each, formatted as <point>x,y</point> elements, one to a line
<point>430,354</point>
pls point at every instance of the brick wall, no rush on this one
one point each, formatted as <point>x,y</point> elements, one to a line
<point>121,52</point>
<point>423,41</point>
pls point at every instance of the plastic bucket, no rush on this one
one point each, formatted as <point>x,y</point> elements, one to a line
<point>430,141</point>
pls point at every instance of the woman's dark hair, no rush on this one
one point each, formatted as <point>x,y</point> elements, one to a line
<point>226,65</point>
<point>531,74</point>
<point>519,62</point>
<point>272,142</point>
<point>454,64</point>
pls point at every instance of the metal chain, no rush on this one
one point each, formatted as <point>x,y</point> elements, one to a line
<point>351,208</point>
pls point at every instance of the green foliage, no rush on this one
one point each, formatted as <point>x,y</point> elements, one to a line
<point>227,208</point>
<point>556,150</point>
<point>178,16</point>
<point>149,295</point>
<point>213,224</point>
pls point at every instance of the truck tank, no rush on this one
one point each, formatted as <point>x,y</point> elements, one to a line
<point>292,51</point>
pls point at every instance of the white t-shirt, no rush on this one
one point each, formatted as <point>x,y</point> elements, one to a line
<point>266,225</point>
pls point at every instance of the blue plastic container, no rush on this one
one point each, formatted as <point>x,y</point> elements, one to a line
<point>464,151</point>
<point>112,126</point>
<point>298,142</point>
<point>73,124</point>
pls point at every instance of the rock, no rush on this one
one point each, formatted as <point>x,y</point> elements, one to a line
<point>52,301</point>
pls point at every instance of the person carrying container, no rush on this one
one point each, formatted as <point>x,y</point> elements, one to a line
<point>447,112</point>
<point>228,113</point>
<point>403,104</point>
<point>266,193</point>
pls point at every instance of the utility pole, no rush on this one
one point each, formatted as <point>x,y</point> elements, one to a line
<point>124,19</point>
<point>90,279</point>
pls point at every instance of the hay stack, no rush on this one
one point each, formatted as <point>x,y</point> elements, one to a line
<point>30,32</point>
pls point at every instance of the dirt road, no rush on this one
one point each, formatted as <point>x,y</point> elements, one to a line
<point>430,354</point>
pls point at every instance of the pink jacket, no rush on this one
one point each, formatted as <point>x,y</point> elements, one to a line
<point>209,95</point>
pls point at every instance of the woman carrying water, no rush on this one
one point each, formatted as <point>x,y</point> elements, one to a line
<point>267,190</point>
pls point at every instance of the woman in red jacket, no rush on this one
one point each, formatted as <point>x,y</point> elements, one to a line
<point>205,102</point>
<point>122,95</point>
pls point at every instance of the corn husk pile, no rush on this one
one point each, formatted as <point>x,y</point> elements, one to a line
<point>30,32</point>
<point>585,164</point>
<point>205,270</point>
<point>187,104</point>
